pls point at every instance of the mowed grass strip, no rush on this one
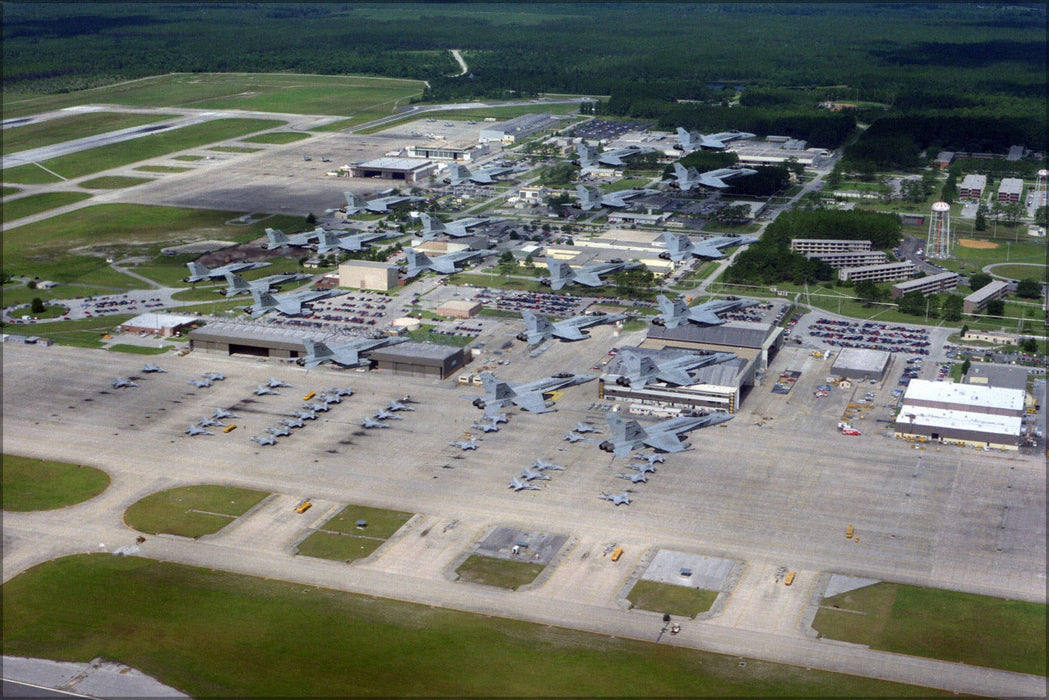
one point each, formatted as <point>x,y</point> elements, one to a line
<point>212,633</point>
<point>682,601</point>
<point>36,484</point>
<point>502,573</point>
<point>277,137</point>
<point>36,203</point>
<point>947,625</point>
<point>338,546</point>
<point>115,155</point>
<point>75,126</point>
<point>191,511</point>
<point>114,182</point>
<point>381,523</point>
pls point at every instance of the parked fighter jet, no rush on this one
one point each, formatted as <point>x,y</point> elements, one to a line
<point>199,273</point>
<point>197,430</point>
<point>262,389</point>
<point>531,396</point>
<point>486,427</point>
<point>381,205</point>
<point>591,197</point>
<point>639,371</point>
<point>340,392</point>
<point>200,383</point>
<point>585,428</point>
<point>235,284</point>
<point>370,423</point>
<point>289,304</point>
<point>651,459</point>
<point>518,485</point>
<point>330,398</point>
<point>635,478</point>
<point>264,439</point>
<point>628,435</point>
<point>433,227</point>
<point>383,414</point>
<point>543,465</point>
<point>561,274</point>
<point>292,422</point>
<point>685,179</point>
<point>458,174</point>
<point>674,313</point>
<point>642,467</point>
<point>328,241</point>
<point>123,382</point>
<point>316,407</point>
<point>221,413</point>
<point>399,406</point>
<point>282,431</point>
<point>464,445</point>
<point>304,415</point>
<point>277,383</point>
<point>151,368</point>
<point>443,264</point>
<point>538,327</point>
<point>589,158</point>
<point>215,376</point>
<point>693,140</point>
<point>348,354</point>
<point>618,499</point>
<point>574,437</point>
<point>208,422</point>
<point>529,474</point>
<point>680,246</point>
<point>279,239</point>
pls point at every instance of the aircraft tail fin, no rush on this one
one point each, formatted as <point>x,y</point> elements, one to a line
<point>236,284</point>
<point>560,273</point>
<point>417,262</point>
<point>198,270</point>
<point>353,201</point>
<point>277,238</point>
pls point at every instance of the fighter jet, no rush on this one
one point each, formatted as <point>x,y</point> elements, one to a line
<point>618,499</point>
<point>561,274</point>
<point>289,304</point>
<point>330,398</point>
<point>693,140</point>
<point>591,197</point>
<point>215,376</point>
<point>531,396</point>
<point>680,246</point>
<point>464,445</point>
<point>628,435</point>
<point>589,158</point>
<point>341,392</point>
<point>529,474</point>
<point>383,414</point>
<point>686,178</point>
<point>348,355</point>
<point>639,371</point>
<point>151,368</point>
<point>197,430</point>
<point>277,383</point>
<point>399,406</point>
<point>518,485</point>
<point>262,389</point>
<point>443,264</point>
<point>279,239</point>
<point>328,241</point>
<point>433,227</point>
<point>208,422</point>
<point>574,437</point>
<point>368,422</point>
<point>316,407</point>
<point>292,422</point>
<point>585,428</point>
<point>674,313</point>
<point>642,467</point>
<point>282,431</point>
<point>486,427</point>
<point>458,174</point>
<point>221,413</point>
<point>304,415</point>
<point>199,273</point>
<point>123,382</point>
<point>635,478</point>
<point>264,439</point>
<point>543,465</point>
<point>538,327</point>
<point>235,284</point>
<point>382,205</point>
<point>651,459</point>
<point>200,383</point>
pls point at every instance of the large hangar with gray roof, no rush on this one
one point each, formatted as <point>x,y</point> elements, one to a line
<point>719,386</point>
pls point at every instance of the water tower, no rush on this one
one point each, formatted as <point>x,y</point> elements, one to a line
<point>1039,189</point>
<point>939,243</point>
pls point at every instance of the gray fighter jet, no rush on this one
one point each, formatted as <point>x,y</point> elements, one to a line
<point>518,485</point>
<point>639,371</point>
<point>486,427</point>
<point>200,383</point>
<point>368,422</point>
<point>279,239</point>
<point>693,140</point>
<point>208,422</point>
<point>199,273</point>
<point>458,174</point>
<point>575,437</point>
<point>543,465</point>
<point>381,205</point>
<point>636,477</point>
<point>273,383</point>
<point>673,313</point>
<point>642,467</point>
<point>531,396</point>
<point>330,398</point>
<point>399,406</point>
<point>464,445</point>
<point>383,414</point>
<point>591,197</point>
<point>585,428</point>
<point>348,354</point>
<point>327,241</point>
<point>151,368</point>
<point>538,327</point>
<point>262,390</point>
<point>617,499</point>
<point>221,413</point>
<point>264,439</point>
<point>316,407</point>
<point>562,274</point>
<point>290,304</point>
<point>685,179</point>
<point>292,422</point>
<point>340,392</point>
<point>628,435</point>
<point>282,431</point>
<point>460,228</point>
<point>679,246</point>
<point>589,158</point>
<point>235,284</point>
<point>651,459</point>
<point>304,415</point>
<point>197,430</point>
<point>123,382</point>
<point>442,264</point>
<point>215,376</point>
<point>529,474</point>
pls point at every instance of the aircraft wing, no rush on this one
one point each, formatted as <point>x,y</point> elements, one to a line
<point>709,318</point>
<point>666,442</point>
<point>675,376</point>
<point>707,251</point>
<point>482,177</point>
<point>567,332</point>
<point>590,279</point>
<point>532,401</point>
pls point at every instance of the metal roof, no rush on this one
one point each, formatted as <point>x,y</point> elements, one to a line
<point>741,334</point>
<point>964,395</point>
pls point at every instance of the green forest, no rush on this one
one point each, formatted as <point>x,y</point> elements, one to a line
<point>915,77</point>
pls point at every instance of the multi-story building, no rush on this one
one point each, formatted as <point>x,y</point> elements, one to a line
<point>878,273</point>
<point>819,246</point>
<point>1010,189</point>
<point>972,186</point>
<point>933,284</point>
<point>977,301</point>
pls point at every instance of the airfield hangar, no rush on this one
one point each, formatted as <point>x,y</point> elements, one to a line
<point>259,340</point>
<point>391,168</point>
<point>962,414</point>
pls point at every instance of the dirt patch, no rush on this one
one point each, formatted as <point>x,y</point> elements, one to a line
<point>978,245</point>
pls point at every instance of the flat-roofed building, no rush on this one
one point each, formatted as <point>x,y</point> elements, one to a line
<point>629,217</point>
<point>933,284</point>
<point>977,301</point>
<point>419,359</point>
<point>997,376</point>
<point>972,186</point>
<point>991,337</point>
<point>962,414</point>
<point>515,129</point>
<point>365,274</point>
<point>1010,189</point>
<point>879,273</point>
<point>616,244</point>
<point>459,308</point>
<point>818,246</point>
<point>853,259</point>
<point>159,323</point>
<point>944,159</point>
<point>456,154</point>
<point>861,363</point>
<point>389,168</point>
<point>758,341</point>
<point>719,387</point>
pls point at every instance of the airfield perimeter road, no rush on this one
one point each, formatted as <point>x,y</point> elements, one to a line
<point>774,487</point>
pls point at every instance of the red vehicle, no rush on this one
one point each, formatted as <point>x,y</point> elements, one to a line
<point>850,431</point>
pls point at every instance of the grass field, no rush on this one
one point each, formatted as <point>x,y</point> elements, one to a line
<point>86,333</point>
<point>162,169</point>
<point>191,511</point>
<point>681,601</point>
<point>211,633</point>
<point>36,203</point>
<point>31,174</point>
<point>502,573</point>
<point>479,114</point>
<point>137,349</point>
<point>114,182</point>
<point>381,523</point>
<point>75,126</point>
<point>35,484</point>
<point>338,547</point>
<point>277,137</point>
<point>948,625</point>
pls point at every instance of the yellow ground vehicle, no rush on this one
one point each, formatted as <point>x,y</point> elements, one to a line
<point>848,532</point>
<point>309,396</point>
<point>303,507</point>
<point>789,579</point>
<point>230,428</point>
<point>616,553</point>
